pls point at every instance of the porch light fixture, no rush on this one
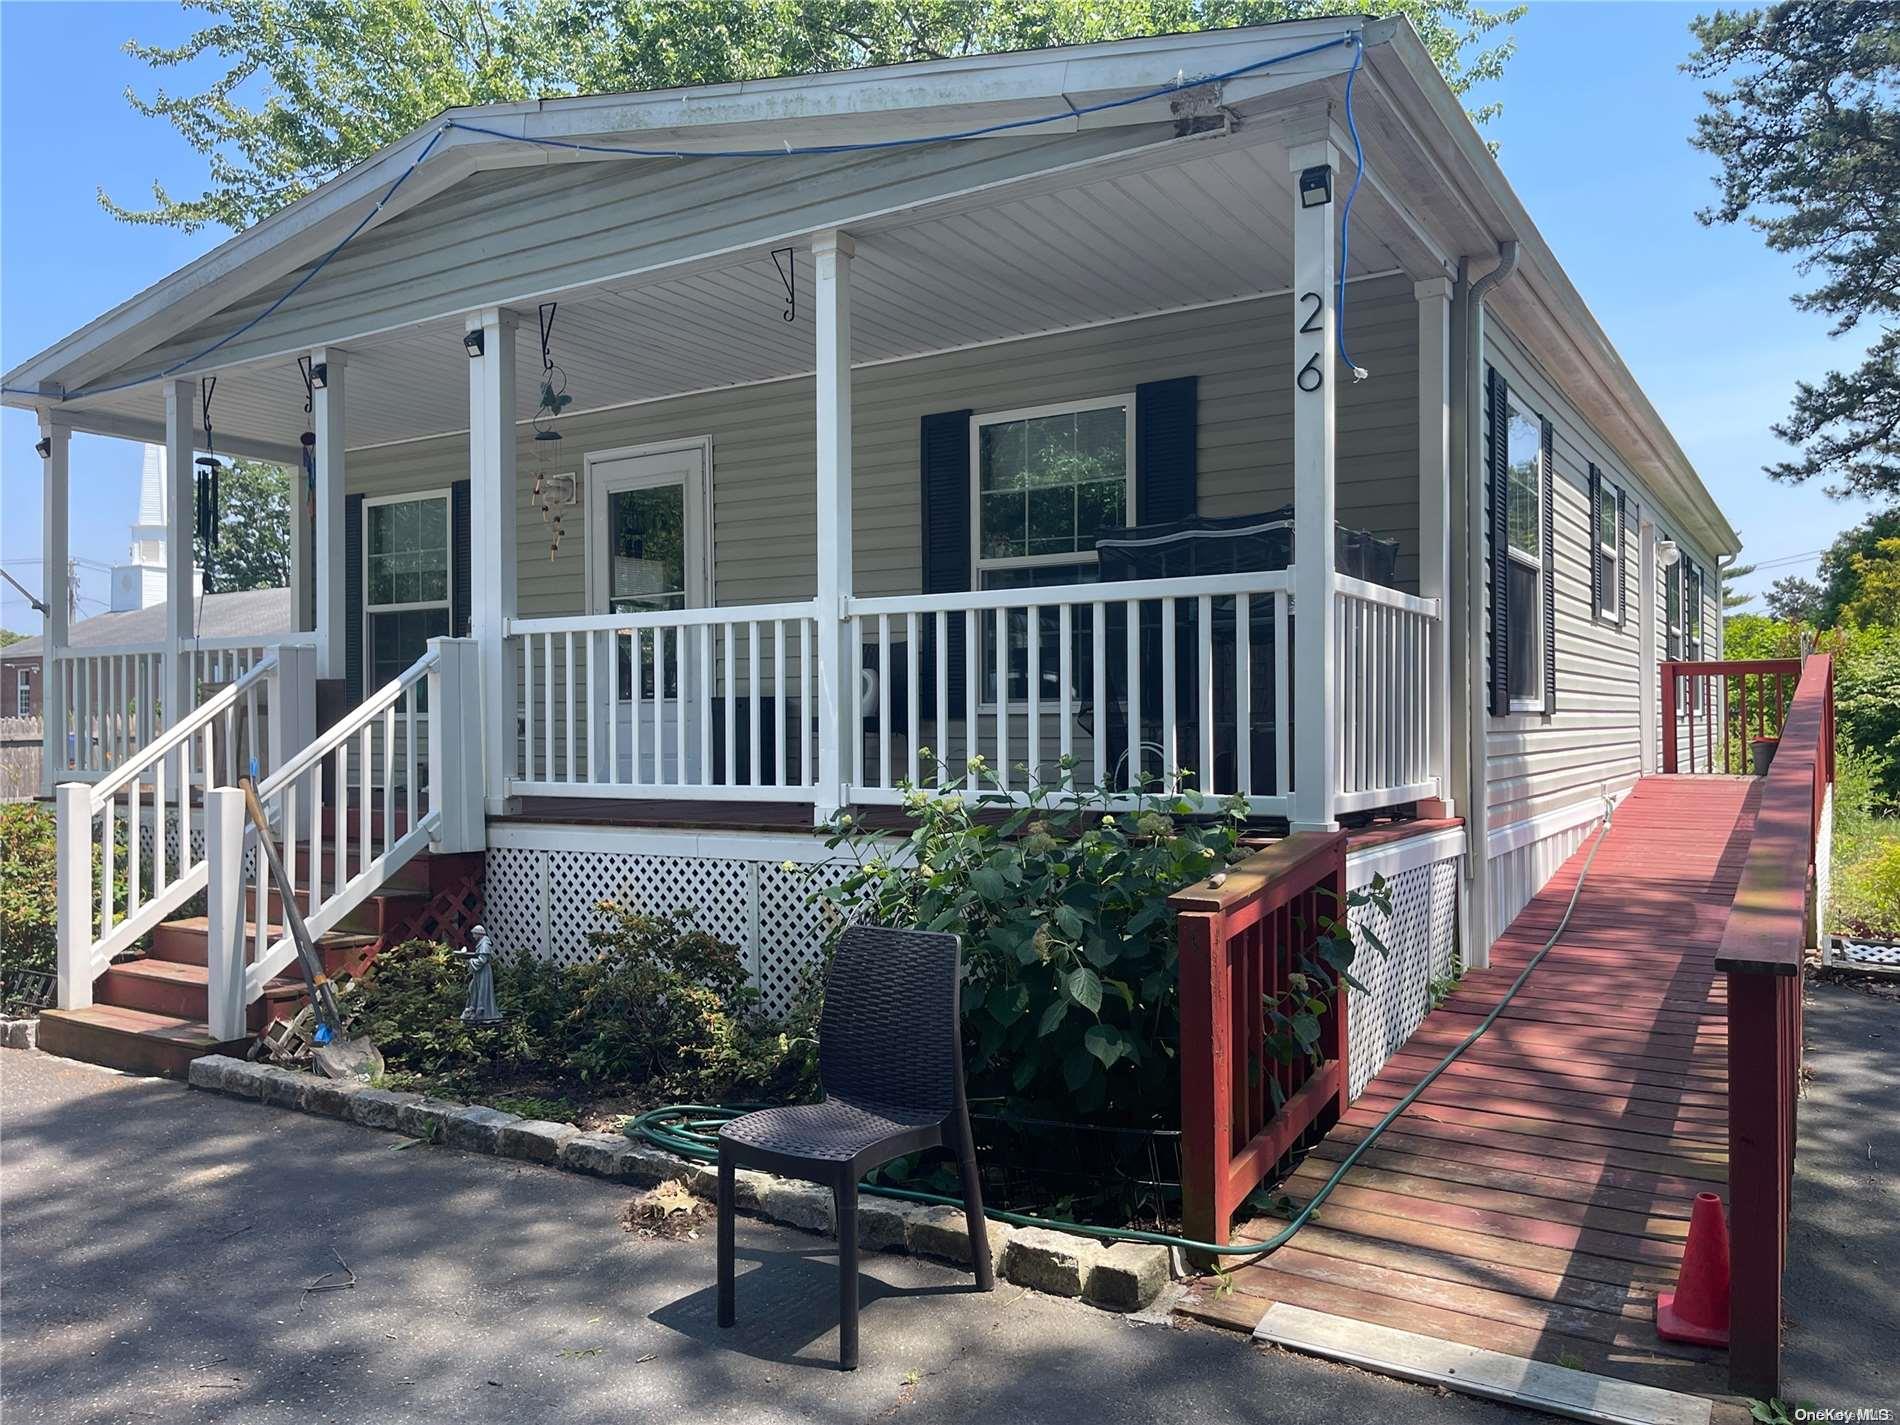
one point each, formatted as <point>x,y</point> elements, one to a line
<point>1316,185</point>
<point>319,375</point>
<point>44,447</point>
<point>475,342</point>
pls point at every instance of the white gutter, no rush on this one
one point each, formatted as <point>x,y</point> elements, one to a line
<point>1477,899</point>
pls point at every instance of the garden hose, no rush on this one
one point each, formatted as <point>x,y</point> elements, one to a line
<point>690,1130</point>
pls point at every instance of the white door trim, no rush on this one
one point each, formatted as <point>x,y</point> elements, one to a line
<point>697,504</point>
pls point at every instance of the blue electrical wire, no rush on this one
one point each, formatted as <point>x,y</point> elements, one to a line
<point>284,297</point>
<point>1351,39</point>
<point>1345,216</point>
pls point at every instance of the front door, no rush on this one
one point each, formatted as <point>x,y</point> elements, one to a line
<point>646,553</point>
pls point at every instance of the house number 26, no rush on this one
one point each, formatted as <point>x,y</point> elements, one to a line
<point>1310,377</point>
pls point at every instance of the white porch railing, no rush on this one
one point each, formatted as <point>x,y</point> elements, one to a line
<point>1179,685</point>
<point>1382,653</point>
<point>103,706</point>
<point>715,702</point>
<point>349,810</point>
<point>263,715</point>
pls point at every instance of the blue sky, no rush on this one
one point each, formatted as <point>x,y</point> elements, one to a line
<point>1593,135</point>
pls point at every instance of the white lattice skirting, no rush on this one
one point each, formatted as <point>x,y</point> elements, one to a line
<point>545,885</point>
<point>1421,945</point>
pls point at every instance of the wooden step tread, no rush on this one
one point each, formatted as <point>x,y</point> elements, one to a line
<point>120,1020</point>
<point>344,939</point>
<point>187,972</point>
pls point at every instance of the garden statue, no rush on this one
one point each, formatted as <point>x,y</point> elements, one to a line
<point>481,1007</point>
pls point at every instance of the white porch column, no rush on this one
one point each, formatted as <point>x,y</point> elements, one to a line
<point>327,416</point>
<point>1315,697</point>
<point>56,551</point>
<point>832,253</point>
<point>181,522</point>
<point>493,501</point>
<point>1434,516</point>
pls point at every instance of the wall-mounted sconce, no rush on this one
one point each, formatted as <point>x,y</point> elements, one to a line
<point>1316,186</point>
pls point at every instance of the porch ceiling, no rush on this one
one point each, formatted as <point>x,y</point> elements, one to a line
<point>1173,225</point>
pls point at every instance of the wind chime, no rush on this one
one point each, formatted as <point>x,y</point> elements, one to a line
<point>308,442</point>
<point>209,469</point>
<point>554,400</point>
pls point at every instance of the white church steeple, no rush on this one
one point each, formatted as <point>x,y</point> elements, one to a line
<point>140,582</point>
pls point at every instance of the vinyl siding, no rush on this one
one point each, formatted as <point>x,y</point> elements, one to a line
<point>763,476</point>
<point>1541,765</point>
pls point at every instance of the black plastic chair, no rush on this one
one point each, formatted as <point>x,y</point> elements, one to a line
<point>890,1059</point>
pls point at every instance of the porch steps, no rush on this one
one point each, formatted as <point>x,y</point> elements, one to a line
<point>149,1015</point>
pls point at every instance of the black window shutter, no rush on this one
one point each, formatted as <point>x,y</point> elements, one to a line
<point>1500,534</point>
<point>1596,541</point>
<point>1550,571</point>
<point>1622,539</point>
<point>944,461</point>
<point>1167,450</point>
<point>460,536</point>
<point>353,597</point>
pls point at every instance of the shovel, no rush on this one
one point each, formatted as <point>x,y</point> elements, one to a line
<point>335,1055</point>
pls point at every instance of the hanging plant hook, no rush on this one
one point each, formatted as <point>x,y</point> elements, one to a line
<point>309,390</point>
<point>545,314</point>
<point>788,273</point>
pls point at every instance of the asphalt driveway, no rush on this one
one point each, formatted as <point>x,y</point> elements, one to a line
<point>158,1243</point>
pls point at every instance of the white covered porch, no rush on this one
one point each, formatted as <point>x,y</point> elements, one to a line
<point>1309,692</point>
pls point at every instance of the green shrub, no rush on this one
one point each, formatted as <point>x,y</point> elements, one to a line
<point>1071,1004</point>
<point>666,1006</point>
<point>662,1008</point>
<point>1867,705</point>
<point>29,890</point>
<point>1866,892</point>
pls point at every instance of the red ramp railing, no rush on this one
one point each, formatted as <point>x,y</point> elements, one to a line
<point>1770,927</point>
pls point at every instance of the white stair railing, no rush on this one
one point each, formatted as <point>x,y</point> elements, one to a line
<point>262,717</point>
<point>349,810</point>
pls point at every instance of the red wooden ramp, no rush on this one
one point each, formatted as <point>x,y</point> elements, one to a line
<point>1534,1200</point>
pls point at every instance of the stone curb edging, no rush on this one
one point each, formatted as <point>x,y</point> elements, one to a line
<point>1120,1276</point>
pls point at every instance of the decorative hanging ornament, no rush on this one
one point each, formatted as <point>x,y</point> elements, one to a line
<point>554,400</point>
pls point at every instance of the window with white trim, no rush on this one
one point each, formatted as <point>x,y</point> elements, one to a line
<point>405,581</point>
<point>1524,559</point>
<point>1045,483</point>
<point>23,692</point>
<point>1692,611</point>
<point>1609,552</point>
<point>1672,606</point>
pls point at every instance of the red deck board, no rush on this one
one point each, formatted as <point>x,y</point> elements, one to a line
<point>1537,1193</point>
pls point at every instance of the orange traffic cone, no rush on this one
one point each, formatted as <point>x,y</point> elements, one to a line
<point>1697,1310</point>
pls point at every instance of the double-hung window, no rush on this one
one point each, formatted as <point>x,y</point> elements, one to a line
<point>1692,610</point>
<point>1046,482</point>
<point>1672,606</point>
<point>1524,560</point>
<point>23,692</point>
<point>405,580</point>
<point>1609,551</point>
